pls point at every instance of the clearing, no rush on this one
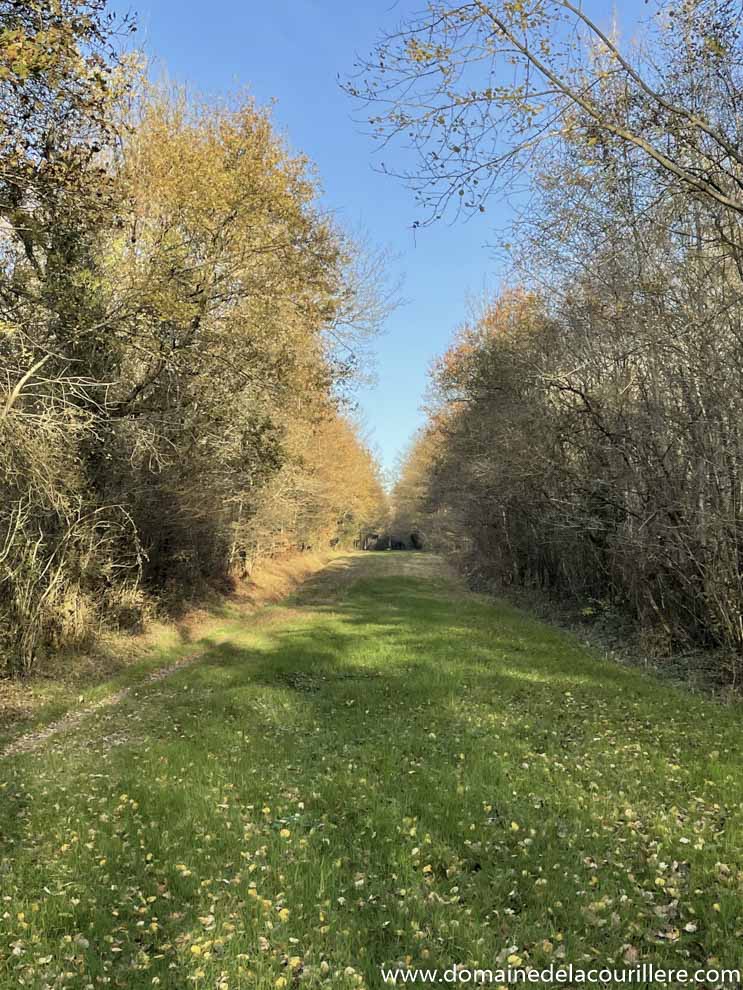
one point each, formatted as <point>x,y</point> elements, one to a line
<point>384,769</point>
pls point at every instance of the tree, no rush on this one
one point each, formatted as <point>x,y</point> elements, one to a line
<point>179,345</point>
<point>478,87</point>
<point>586,425</point>
<point>59,80</point>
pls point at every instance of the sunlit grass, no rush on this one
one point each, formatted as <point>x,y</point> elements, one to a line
<point>70,680</point>
<point>386,771</point>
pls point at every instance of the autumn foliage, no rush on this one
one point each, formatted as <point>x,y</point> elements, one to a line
<point>178,321</point>
<point>584,431</point>
<point>590,451</point>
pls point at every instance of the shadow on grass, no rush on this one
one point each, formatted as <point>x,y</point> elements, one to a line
<point>381,705</point>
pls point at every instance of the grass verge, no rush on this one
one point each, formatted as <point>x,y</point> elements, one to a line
<point>74,680</point>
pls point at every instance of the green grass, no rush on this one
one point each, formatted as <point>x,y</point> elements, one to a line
<point>386,769</point>
<point>31,704</point>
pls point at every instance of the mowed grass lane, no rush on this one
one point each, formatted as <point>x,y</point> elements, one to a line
<point>385,769</point>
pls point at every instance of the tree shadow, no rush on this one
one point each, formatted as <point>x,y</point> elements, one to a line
<point>396,685</point>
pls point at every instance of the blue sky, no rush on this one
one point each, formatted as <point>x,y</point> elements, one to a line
<point>292,51</point>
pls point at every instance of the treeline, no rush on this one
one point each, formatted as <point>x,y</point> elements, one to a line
<point>178,319</point>
<point>585,430</point>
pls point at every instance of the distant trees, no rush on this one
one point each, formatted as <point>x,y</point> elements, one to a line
<point>585,428</point>
<point>176,318</point>
<point>413,517</point>
<point>326,492</point>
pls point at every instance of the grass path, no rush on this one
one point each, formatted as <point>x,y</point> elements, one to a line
<point>383,769</point>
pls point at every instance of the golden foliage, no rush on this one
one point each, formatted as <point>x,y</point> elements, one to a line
<point>171,301</point>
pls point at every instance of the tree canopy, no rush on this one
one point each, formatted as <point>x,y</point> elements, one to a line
<point>583,428</point>
<point>178,323</point>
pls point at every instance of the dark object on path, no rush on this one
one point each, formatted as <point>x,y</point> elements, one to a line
<point>371,541</point>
